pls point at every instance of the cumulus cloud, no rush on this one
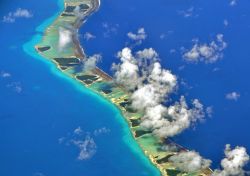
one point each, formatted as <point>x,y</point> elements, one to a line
<point>65,38</point>
<point>234,162</point>
<point>233,96</point>
<point>19,13</point>
<point>91,61</point>
<point>139,36</point>
<point>206,52</point>
<point>150,85</point>
<point>148,53</point>
<point>160,83</point>
<point>172,120</point>
<point>126,73</point>
<point>189,161</point>
<point>87,147</point>
<point>88,36</point>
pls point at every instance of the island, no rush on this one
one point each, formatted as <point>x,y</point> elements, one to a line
<point>70,61</point>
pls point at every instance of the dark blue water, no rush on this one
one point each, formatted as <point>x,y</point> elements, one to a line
<point>40,110</point>
<point>230,120</point>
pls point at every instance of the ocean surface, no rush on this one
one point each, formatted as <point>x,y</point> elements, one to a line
<point>49,124</point>
<point>171,25</point>
<point>43,114</point>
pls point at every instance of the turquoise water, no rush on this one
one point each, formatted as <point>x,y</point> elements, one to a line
<point>44,113</point>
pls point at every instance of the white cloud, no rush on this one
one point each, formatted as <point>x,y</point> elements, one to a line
<point>19,13</point>
<point>189,161</point>
<point>65,38</point>
<point>126,73</point>
<point>233,96</point>
<point>91,61</point>
<point>148,53</point>
<point>234,162</point>
<point>22,13</point>
<point>139,36</point>
<point>89,36</point>
<point>87,147</point>
<point>172,120</point>
<point>150,85</point>
<point>82,140</point>
<point>160,83</point>
<point>206,52</point>
<point>4,74</point>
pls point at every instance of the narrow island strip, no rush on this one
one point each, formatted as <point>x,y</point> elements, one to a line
<point>70,58</point>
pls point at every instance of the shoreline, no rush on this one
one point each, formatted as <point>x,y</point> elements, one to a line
<point>96,79</point>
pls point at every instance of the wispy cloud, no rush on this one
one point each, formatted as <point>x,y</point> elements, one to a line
<point>165,35</point>
<point>109,29</point>
<point>78,131</point>
<point>86,146</point>
<point>138,37</point>
<point>225,22</point>
<point>233,96</point>
<point>88,36</point>
<point>19,13</point>
<point>233,2</point>
<point>84,141</point>
<point>4,74</point>
<point>209,111</point>
<point>15,86</point>
<point>190,12</point>
<point>103,130</point>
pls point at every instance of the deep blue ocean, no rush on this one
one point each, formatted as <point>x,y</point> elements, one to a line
<point>40,109</point>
